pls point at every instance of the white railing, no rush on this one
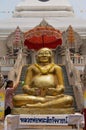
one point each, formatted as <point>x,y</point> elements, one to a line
<point>7,61</point>
<point>78,60</point>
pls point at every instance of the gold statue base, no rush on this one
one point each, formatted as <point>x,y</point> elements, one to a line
<point>42,111</point>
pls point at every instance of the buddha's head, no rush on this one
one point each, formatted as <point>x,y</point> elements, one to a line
<point>44,55</point>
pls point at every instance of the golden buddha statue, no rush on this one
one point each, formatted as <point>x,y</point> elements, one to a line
<point>43,86</point>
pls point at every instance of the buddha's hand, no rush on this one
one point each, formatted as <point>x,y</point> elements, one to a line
<point>60,89</point>
<point>52,92</point>
<point>28,90</point>
<point>55,91</point>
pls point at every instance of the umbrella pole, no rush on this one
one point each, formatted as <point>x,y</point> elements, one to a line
<point>43,40</point>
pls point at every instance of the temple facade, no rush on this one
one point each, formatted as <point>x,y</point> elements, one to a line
<point>44,23</point>
<point>28,15</point>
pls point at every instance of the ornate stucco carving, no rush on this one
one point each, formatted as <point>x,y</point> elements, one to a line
<point>71,39</point>
<point>14,41</point>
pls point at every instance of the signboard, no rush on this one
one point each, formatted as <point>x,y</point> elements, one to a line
<point>26,121</point>
<point>2,103</point>
<point>43,120</point>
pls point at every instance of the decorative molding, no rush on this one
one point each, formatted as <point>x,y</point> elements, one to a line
<point>14,41</point>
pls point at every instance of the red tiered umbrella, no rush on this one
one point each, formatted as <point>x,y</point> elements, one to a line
<point>43,36</point>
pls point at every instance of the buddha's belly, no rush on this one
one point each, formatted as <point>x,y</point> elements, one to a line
<point>45,81</point>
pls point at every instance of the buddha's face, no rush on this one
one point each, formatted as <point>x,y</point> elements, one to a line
<point>44,55</point>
